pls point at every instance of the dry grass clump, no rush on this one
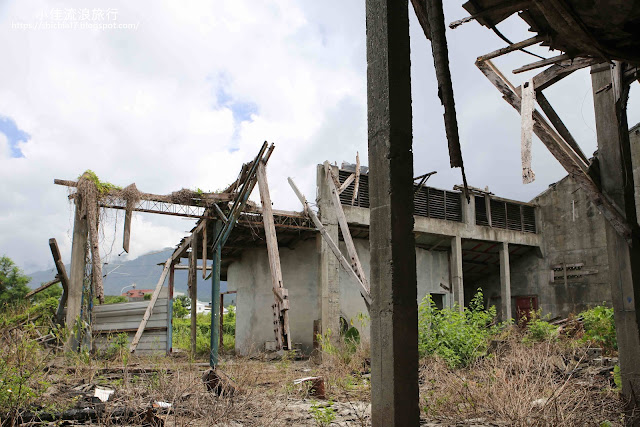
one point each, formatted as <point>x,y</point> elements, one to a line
<point>522,384</point>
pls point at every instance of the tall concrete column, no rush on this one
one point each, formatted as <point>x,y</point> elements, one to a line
<point>329,265</point>
<point>78,266</point>
<point>457,284</point>
<point>505,282</point>
<point>394,309</point>
<point>616,176</point>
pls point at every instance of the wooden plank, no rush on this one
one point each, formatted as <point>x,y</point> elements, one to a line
<point>420,8</point>
<point>440,53</point>
<point>76,274</point>
<point>507,7</point>
<point>557,122</point>
<point>511,48</point>
<point>561,151</point>
<point>541,63</point>
<point>204,249</point>
<point>526,131</point>
<point>207,197</point>
<point>281,329</point>
<point>354,196</point>
<point>42,288</point>
<point>344,227</point>
<point>346,183</point>
<point>152,303</point>
<point>334,248</point>
<point>62,276</point>
<point>193,291</point>
<point>559,71</point>
<point>128,214</point>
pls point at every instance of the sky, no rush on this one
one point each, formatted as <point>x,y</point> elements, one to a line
<point>169,94</point>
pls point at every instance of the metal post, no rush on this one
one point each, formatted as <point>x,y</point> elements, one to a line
<point>215,298</point>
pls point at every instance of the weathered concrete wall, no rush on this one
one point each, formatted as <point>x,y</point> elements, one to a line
<point>432,268</point>
<point>573,232</point>
<point>251,278</point>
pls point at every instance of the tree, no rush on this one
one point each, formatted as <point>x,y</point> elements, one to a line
<point>54,291</point>
<point>13,282</point>
<point>180,305</point>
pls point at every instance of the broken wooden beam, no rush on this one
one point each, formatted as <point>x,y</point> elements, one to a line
<point>206,197</point>
<point>152,303</point>
<point>281,306</point>
<point>541,63</point>
<point>344,227</point>
<point>515,46</point>
<point>506,7</point>
<point>440,52</point>
<point>346,183</point>
<point>332,245</point>
<point>565,155</point>
<point>42,287</point>
<point>557,122</point>
<point>356,186</point>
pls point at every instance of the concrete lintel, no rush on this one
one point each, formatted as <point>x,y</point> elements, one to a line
<point>360,216</point>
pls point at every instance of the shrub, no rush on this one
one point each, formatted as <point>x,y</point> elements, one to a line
<point>539,330</point>
<point>457,337</point>
<point>599,328</point>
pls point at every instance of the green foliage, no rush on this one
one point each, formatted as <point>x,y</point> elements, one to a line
<point>118,348</point>
<point>13,283</point>
<point>36,314</point>
<point>180,305</point>
<point>459,338</point>
<point>147,297</point>
<point>538,329</point>
<point>115,299</point>
<point>617,378</point>
<point>323,414</point>
<point>112,299</point>
<point>21,364</point>
<point>229,324</point>
<point>54,291</point>
<point>102,187</point>
<point>600,328</point>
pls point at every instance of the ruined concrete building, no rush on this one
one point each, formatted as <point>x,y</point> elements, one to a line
<point>548,254</point>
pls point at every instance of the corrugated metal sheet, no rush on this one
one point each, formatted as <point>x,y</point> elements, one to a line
<point>111,319</point>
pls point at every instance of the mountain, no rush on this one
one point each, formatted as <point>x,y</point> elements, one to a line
<point>144,271</point>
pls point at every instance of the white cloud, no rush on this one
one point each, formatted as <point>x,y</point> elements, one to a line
<point>156,106</point>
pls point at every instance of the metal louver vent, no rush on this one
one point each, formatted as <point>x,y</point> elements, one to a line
<point>481,211</point>
<point>428,202</point>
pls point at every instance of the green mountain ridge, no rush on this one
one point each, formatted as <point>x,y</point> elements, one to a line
<point>144,271</point>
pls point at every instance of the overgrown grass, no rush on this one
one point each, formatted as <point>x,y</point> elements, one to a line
<point>182,333</point>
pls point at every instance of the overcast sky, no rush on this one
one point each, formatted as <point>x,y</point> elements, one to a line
<point>192,89</point>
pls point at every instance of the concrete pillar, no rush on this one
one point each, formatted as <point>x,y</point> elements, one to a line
<point>616,176</point>
<point>505,282</point>
<point>634,138</point>
<point>394,309</point>
<point>457,284</point>
<point>468,210</point>
<point>77,270</point>
<point>329,265</point>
